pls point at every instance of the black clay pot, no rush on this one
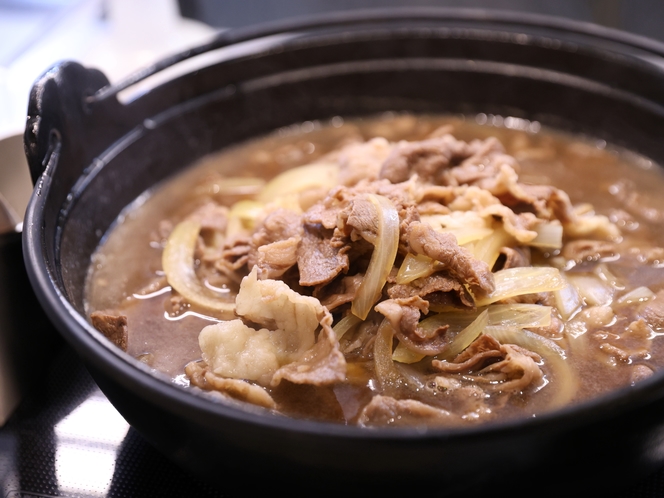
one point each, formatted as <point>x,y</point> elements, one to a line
<point>91,155</point>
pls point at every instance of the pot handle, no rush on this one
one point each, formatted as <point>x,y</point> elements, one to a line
<point>60,117</point>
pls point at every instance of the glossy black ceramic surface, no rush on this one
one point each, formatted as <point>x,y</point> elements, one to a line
<point>90,156</point>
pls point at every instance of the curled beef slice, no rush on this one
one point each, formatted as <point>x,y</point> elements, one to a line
<point>387,411</point>
<point>456,260</point>
<point>112,326</point>
<point>358,220</point>
<point>517,371</point>
<point>427,159</point>
<point>474,357</point>
<point>436,288</point>
<point>211,216</point>
<point>323,364</point>
<point>341,291</point>
<point>280,224</point>
<point>203,378</point>
<point>362,161</point>
<point>513,257</point>
<point>502,367</point>
<point>277,258</point>
<point>404,316</point>
<point>320,257</point>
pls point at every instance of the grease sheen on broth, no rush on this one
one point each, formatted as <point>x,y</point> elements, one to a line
<point>126,272</point>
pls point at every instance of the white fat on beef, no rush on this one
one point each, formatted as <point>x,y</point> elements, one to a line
<point>233,350</point>
<point>292,317</point>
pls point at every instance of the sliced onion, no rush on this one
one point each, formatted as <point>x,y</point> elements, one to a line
<point>456,320</point>
<point>638,295</point>
<point>345,325</point>
<point>523,280</point>
<point>467,235</point>
<point>593,291</point>
<point>295,180</point>
<point>488,248</point>
<point>243,216</point>
<point>414,267</point>
<point>404,355</point>
<point>382,258</point>
<point>389,378</point>
<point>549,235</point>
<point>568,301</point>
<point>519,315</point>
<point>553,355</point>
<point>178,265</point>
<point>465,338</point>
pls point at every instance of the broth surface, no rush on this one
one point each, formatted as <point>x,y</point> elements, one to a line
<point>608,343</point>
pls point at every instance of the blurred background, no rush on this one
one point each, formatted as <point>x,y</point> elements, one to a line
<point>119,36</point>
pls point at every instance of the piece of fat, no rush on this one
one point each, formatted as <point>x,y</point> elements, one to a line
<point>292,317</point>
<point>233,350</point>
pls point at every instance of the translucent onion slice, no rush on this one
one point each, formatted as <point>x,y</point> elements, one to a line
<point>593,290</point>
<point>178,265</point>
<point>414,267</point>
<point>464,338</point>
<point>523,280</point>
<point>389,378</point>
<point>295,180</point>
<point>519,315</point>
<point>568,301</point>
<point>456,320</point>
<point>243,216</point>
<point>638,295</point>
<point>488,248</point>
<point>404,355</point>
<point>549,235</point>
<point>345,325</point>
<point>467,235</point>
<point>382,258</point>
<point>553,355</point>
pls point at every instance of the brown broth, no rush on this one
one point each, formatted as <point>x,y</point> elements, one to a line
<point>619,184</point>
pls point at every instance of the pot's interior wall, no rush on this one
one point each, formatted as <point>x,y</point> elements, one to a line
<point>561,85</point>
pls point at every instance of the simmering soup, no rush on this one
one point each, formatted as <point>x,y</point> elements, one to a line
<point>397,270</point>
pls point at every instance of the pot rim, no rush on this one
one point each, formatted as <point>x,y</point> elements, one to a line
<point>135,375</point>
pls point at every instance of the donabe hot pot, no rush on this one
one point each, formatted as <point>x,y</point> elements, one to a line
<point>90,155</point>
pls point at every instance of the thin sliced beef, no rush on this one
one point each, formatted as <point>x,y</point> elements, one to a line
<point>200,376</point>
<point>404,316</point>
<point>277,258</point>
<point>113,326</point>
<point>436,288</point>
<point>509,369</point>
<point>387,411</point>
<point>428,159</point>
<point>362,161</point>
<point>320,259</point>
<point>456,260</point>
<point>475,357</point>
<point>513,257</point>
<point>279,224</point>
<point>341,291</point>
<point>322,365</point>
